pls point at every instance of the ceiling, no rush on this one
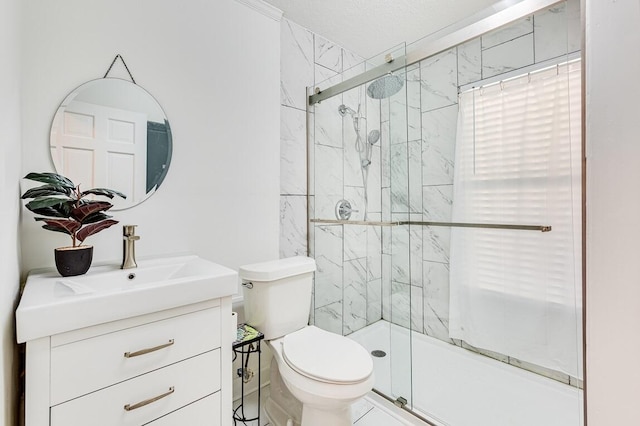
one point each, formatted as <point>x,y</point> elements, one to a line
<point>367,27</point>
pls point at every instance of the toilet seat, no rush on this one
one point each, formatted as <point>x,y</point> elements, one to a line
<point>326,357</point>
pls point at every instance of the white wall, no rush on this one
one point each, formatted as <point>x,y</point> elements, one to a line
<point>9,205</point>
<point>613,211</point>
<point>214,68</point>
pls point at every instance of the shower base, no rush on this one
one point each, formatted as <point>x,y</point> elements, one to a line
<point>455,387</point>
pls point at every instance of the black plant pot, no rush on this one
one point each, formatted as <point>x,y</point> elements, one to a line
<point>71,261</point>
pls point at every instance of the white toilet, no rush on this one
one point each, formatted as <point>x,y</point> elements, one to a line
<point>315,375</point>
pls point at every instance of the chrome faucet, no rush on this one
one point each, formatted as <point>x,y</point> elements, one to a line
<point>129,238</point>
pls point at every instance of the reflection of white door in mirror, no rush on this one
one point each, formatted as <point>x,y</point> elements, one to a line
<point>102,146</point>
<point>111,133</point>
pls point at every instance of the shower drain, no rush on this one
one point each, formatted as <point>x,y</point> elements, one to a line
<point>378,353</point>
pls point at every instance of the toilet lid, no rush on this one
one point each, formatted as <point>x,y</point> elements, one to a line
<point>325,356</point>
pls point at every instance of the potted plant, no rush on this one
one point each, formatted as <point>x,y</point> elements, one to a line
<point>63,207</point>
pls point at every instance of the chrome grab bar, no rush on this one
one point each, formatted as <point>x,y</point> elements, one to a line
<point>541,228</point>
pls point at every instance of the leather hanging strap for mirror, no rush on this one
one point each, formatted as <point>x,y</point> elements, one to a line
<point>125,67</point>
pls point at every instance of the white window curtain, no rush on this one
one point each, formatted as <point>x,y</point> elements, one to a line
<point>517,161</point>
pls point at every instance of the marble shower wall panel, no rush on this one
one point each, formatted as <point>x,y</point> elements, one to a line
<point>400,304</point>
<point>436,300</point>
<point>311,228</point>
<point>355,296</point>
<point>327,54</point>
<point>355,242</point>
<point>297,72</point>
<point>385,155</point>
<point>375,182</point>
<point>414,158</point>
<point>329,317</point>
<point>439,80</point>
<point>374,301</point>
<point>293,225</point>
<point>386,205</point>
<point>398,125</point>
<point>507,57</point>
<point>436,243</point>
<point>469,62</point>
<point>406,269</point>
<point>374,272</point>
<point>296,64</point>
<point>374,114</point>
<point>400,254</point>
<point>374,250</point>
<point>416,309</point>
<point>438,148</point>
<point>414,110</point>
<point>437,202</point>
<point>399,171</point>
<point>311,151</point>
<point>561,22</point>
<point>329,264</point>
<point>328,122</point>
<point>386,286</point>
<point>329,181</point>
<point>510,32</point>
<point>352,158</point>
<point>416,247</point>
<point>293,153</point>
<point>352,64</point>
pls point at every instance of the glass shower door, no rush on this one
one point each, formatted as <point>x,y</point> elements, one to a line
<point>397,205</point>
<point>358,162</point>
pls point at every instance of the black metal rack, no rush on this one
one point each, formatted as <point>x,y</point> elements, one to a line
<point>248,342</point>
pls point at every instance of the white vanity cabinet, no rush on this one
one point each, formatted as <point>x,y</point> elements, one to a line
<point>165,367</point>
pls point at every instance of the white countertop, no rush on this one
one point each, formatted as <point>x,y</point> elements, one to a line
<point>52,304</point>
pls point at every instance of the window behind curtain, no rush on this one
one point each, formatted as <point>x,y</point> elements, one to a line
<point>518,162</point>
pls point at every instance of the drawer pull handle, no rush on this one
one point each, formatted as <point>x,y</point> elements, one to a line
<point>148,350</point>
<point>130,407</point>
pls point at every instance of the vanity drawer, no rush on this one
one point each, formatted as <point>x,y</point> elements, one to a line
<point>181,383</point>
<point>205,412</point>
<point>88,365</point>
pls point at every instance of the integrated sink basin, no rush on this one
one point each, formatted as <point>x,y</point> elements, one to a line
<point>52,304</point>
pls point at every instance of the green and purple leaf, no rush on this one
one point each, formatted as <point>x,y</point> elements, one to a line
<point>51,179</point>
<point>80,213</point>
<point>46,190</point>
<point>96,217</point>
<point>94,228</point>
<point>59,210</point>
<point>104,192</point>
<point>55,229</point>
<point>67,226</point>
<point>42,202</point>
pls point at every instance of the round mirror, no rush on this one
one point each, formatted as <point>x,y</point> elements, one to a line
<point>111,133</point>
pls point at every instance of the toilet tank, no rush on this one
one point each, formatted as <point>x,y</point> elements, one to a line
<point>277,294</point>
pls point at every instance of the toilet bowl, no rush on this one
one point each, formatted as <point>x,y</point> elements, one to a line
<point>315,375</point>
<point>326,372</point>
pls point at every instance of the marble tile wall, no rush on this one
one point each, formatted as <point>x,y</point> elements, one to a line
<point>348,282</point>
<point>297,72</point>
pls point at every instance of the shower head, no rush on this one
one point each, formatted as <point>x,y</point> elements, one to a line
<point>385,86</point>
<point>373,136</point>
<point>344,110</point>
